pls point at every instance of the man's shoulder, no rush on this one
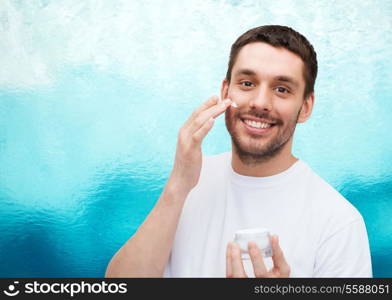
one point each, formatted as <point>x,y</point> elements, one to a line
<point>213,173</point>
<point>210,185</point>
<point>216,162</point>
<point>220,157</point>
<point>328,199</point>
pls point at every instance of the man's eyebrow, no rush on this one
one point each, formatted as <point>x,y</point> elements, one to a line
<point>282,78</point>
<point>287,79</point>
<point>245,72</point>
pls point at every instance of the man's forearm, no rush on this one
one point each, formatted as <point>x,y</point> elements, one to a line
<point>145,254</point>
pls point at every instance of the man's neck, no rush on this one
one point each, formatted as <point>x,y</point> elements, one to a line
<point>274,165</point>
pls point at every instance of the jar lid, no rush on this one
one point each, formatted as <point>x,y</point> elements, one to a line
<point>250,232</point>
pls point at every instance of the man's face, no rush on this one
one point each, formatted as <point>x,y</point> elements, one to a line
<point>267,84</point>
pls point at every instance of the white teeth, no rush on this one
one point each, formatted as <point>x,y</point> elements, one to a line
<point>257,124</point>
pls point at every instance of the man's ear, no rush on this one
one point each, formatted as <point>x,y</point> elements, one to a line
<point>225,89</point>
<point>306,109</point>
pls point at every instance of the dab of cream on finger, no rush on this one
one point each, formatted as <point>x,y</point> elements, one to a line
<point>233,104</point>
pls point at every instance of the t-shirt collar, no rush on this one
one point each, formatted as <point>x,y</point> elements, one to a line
<point>265,180</point>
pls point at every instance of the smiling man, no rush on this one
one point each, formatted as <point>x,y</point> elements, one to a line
<point>189,233</point>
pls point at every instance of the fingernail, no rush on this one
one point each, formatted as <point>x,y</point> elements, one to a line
<point>233,104</point>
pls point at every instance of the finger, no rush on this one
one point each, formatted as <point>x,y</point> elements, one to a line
<point>236,261</point>
<point>278,257</point>
<point>211,112</point>
<point>199,135</point>
<point>257,260</point>
<point>229,269</point>
<point>207,104</point>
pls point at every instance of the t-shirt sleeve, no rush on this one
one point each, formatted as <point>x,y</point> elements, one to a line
<point>345,253</point>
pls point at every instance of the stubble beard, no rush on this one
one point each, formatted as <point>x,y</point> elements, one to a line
<point>252,149</point>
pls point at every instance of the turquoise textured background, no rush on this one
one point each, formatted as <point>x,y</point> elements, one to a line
<point>93,93</point>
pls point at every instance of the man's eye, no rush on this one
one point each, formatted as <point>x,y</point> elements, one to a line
<point>282,90</point>
<point>246,83</point>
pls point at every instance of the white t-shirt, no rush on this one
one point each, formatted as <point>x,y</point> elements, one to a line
<point>320,232</point>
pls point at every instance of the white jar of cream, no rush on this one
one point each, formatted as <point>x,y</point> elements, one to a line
<point>261,236</point>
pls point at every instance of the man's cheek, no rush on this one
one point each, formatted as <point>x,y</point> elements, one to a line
<point>231,120</point>
<point>229,114</point>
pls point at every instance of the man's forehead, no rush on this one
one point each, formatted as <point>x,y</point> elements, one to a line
<point>263,60</point>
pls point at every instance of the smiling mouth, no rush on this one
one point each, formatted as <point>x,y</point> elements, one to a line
<point>262,124</point>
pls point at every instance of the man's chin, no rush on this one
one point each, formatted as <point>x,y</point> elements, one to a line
<point>256,153</point>
<point>254,144</point>
<point>252,150</point>
<point>256,149</point>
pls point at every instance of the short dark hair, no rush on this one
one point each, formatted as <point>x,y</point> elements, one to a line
<point>280,36</point>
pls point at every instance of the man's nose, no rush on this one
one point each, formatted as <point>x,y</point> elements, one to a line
<point>262,100</point>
